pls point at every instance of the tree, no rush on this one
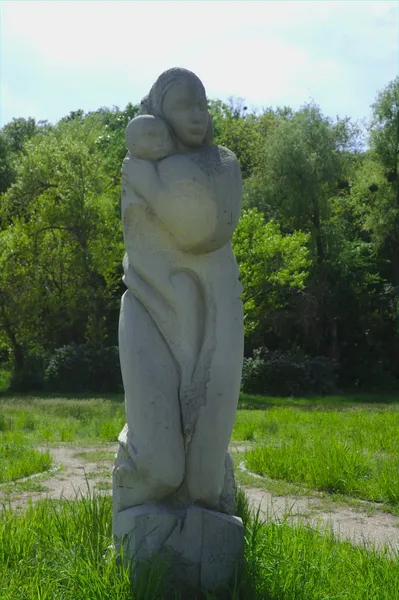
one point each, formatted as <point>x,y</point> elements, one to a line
<point>238,131</point>
<point>303,161</point>
<point>274,269</point>
<point>380,202</point>
<point>62,247</point>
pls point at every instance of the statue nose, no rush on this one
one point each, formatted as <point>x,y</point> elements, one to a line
<point>196,116</point>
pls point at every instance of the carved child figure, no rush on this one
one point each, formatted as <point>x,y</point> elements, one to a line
<point>149,138</point>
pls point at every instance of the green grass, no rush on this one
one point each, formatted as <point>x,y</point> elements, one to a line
<point>5,378</point>
<point>58,420</point>
<point>96,455</point>
<point>295,562</point>
<point>27,421</point>
<point>19,460</point>
<point>83,419</point>
<point>61,550</point>
<point>347,447</point>
<point>344,445</point>
<point>354,451</point>
<point>248,401</point>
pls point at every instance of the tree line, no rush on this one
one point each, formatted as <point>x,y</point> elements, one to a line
<point>317,243</point>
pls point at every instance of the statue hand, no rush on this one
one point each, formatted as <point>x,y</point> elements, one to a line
<point>140,174</point>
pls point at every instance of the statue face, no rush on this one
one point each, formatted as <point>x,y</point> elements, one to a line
<point>185,109</point>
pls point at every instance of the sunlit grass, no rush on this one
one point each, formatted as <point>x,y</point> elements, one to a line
<point>55,420</point>
<point>352,451</point>
<point>327,444</point>
<point>18,460</point>
<point>62,550</point>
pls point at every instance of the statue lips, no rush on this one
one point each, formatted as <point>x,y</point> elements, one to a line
<point>197,130</point>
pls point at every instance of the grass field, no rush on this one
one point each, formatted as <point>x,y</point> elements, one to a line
<point>60,550</point>
<point>27,422</point>
<point>338,445</point>
<point>345,445</point>
<point>351,451</point>
<point>18,460</point>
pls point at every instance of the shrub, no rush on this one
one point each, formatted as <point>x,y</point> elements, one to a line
<point>84,368</point>
<point>31,376</point>
<point>288,374</point>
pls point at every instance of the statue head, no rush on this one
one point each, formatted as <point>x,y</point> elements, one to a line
<point>149,138</point>
<point>178,97</point>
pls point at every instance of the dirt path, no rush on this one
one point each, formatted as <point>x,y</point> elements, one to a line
<point>75,472</point>
<point>72,475</point>
<point>379,529</point>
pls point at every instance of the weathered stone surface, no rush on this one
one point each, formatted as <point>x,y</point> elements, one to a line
<point>199,547</point>
<point>149,138</point>
<point>180,332</point>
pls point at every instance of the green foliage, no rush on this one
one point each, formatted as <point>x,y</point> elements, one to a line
<point>273,267</point>
<point>288,374</point>
<point>372,200</point>
<point>84,369</point>
<point>317,243</point>
<point>5,377</point>
<point>237,131</point>
<point>384,132</point>
<point>30,377</point>
<point>111,141</point>
<point>62,248</point>
<point>300,166</point>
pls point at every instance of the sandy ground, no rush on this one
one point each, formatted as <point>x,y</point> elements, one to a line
<point>74,473</point>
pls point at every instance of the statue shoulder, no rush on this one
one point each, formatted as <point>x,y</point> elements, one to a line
<point>216,160</point>
<point>229,159</point>
<point>200,165</point>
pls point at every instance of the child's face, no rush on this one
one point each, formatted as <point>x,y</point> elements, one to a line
<point>148,138</point>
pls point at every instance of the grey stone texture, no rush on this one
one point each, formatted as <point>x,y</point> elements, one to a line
<point>180,335</point>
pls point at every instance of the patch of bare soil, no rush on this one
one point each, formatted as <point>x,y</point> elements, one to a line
<point>378,530</point>
<point>71,477</point>
<point>75,476</point>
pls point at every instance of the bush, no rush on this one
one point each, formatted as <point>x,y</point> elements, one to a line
<point>31,376</point>
<point>77,369</point>
<point>5,379</point>
<point>288,374</point>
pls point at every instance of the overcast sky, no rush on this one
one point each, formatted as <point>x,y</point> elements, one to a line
<point>62,56</point>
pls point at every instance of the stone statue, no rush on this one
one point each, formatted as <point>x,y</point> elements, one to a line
<point>180,336</point>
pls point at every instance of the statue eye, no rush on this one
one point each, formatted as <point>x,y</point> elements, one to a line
<point>182,105</point>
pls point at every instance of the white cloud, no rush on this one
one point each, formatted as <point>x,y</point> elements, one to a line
<point>269,52</point>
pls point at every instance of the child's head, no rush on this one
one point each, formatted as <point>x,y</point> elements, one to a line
<point>148,137</point>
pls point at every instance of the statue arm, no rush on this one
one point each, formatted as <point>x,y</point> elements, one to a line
<point>187,208</point>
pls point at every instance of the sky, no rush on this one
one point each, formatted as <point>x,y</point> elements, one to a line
<point>58,56</point>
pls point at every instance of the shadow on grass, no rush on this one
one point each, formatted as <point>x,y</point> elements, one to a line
<point>40,395</point>
<point>246,401</point>
<point>249,402</point>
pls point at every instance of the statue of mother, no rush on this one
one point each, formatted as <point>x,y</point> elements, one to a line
<point>181,322</point>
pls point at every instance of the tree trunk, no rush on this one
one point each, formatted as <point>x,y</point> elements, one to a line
<point>17,349</point>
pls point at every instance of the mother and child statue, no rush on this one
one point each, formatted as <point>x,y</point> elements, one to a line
<point>180,340</point>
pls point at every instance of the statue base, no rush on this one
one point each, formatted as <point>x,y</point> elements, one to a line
<point>191,547</point>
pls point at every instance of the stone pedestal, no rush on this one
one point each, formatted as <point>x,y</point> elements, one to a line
<point>198,548</point>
